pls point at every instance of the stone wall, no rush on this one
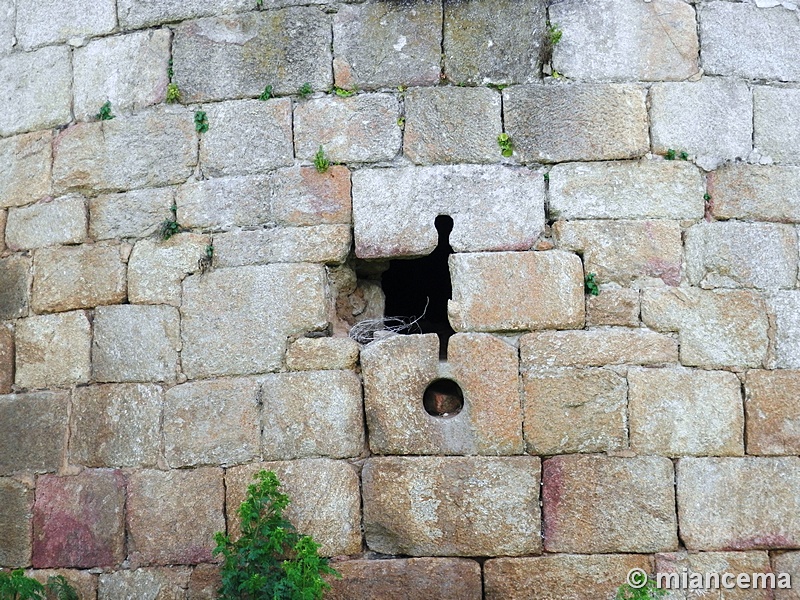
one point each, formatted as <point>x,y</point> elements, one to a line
<point>656,146</point>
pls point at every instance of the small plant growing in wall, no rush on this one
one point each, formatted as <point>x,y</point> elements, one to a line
<point>506,145</point>
<point>305,90</point>
<point>639,587</point>
<point>105,112</point>
<point>170,226</point>
<point>15,585</point>
<point>205,261</point>
<point>266,94</point>
<point>200,121</point>
<point>321,161</point>
<point>590,285</point>
<point>343,93</point>
<point>173,94</point>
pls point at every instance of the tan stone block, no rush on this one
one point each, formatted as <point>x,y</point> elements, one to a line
<point>772,405</point>
<point>452,506</point>
<point>788,562</point>
<point>53,350</point>
<point>134,214</point>
<point>515,291</point>
<point>325,500</point>
<point>204,582</point>
<point>32,431</point>
<point>47,223</point>
<point>6,359</point>
<point>613,306</point>
<point>15,273</point>
<point>685,564</point>
<point>315,354</point>
<point>304,196</point>
<point>598,504</point>
<point>755,192</point>
<point>685,412</point>
<point>26,161</point>
<point>158,583</point>
<point>329,244</point>
<point>16,508</point>
<point>784,316</point>
<point>84,582</point>
<point>224,202</point>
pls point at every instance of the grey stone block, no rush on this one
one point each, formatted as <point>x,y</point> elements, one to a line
<point>51,21</point>
<point>15,273</point>
<point>777,132</point>
<point>224,202</point>
<point>53,350</point>
<point>16,506</point>
<point>756,193</point>
<point>60,221</point>
<point>134,14</point>
<point>314,244</point>
<point>135,214</point>
<point>6,26</point>
<point>784,307</point>
<point>32,431</point>
<point>26,160</point>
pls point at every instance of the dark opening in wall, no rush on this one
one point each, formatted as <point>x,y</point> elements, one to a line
<point>410,285</point>
<point>443,398</point>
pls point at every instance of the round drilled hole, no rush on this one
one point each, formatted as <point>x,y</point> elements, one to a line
<point>443,398</point>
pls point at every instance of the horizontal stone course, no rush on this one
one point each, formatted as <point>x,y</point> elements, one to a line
<point>33,428</point>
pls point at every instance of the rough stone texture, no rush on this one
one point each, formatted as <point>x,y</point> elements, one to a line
<point>784,307</point>
<point>396,373</point>
<point>776,134</point>
<point>15,273</point>
<point>561,122</point>
<point>452,124</point>
<point>559,577</point>
<point>715,328</point>
<point>225,202</point>
<point>711,118</point>
<point>598,504</point>
<point>646,189</point>
<point>772,405</point>
<point>236,56</point>
<point>135,214</point>
<point>304,196</point>
<point>314,354</point>
<point>40,23</point>
<point>79,521</point>
<point>754,192</point>
<point>70,277</point>
<point>492,207</point>
<point>597,347</point>
<point>362,128</point>
<point>84,582</point>
<point>318,244</point>
<point>326,501</point>
<point>204,583</point>
<point>628,40</point>
<point>682,412</point>
<point>743,40</point>
<point>53,350</point>
<point>456,506</point>
<point>400,578</point>
<point>380,44</point>
<point>758,255</point>
<point>6,360</point>
<point>754,500</point>
<point>574,410</point>
<point>316,413</point>
<point>134,14</point>
<point>173,515</point>
<point>153,148</point>
<point>505,291</point>
<point>3,218</point>
<point>486,41</point>
<point>211,423</point>
<point>683,562</point>
<point>158,584</point>
<point>35,89</point>
<point>6,25</point>
<point>788,562</point>
<point>60,221</point>
<point>613,306</point>
<point>26,161</point>
<point>116,425</point>
<point>33,429</point>
<point>246,137</point>
<point>157,268</point>
<point>136,343</point>
<point>639,253</point>
<point>16,503</point>
<point>130,71</point>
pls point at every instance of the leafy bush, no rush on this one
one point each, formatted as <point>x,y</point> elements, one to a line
<point>16,586</point>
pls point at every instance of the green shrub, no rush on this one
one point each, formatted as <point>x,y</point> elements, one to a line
<point>105,112</point>
<point>15,585</point>
<point>321,162</point>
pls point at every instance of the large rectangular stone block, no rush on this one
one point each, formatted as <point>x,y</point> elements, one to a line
<point>60,221</point>
<point>16,507</point>
<point>161,583</point>
<point>454,506</point>
<point>756,192</point>
<point>318,354</point>
<point>27,161</point>
<point>15,273</point>
<point>6,359</point>
<point>6,25</point>
<point>53,350</point>
<point>304,196</point>
<point>50,21</point>
<point>33,431</point>
<point>316,244</point>
<point>678,567</point>
<point>784,308</point>
<point>134,14</point>
<point>787,562</point>
<point>772,405</point>
<point>776,133</point>
<point>613,306</point>
<point>515,291</point>
<point>135,214</point>
<point>224,202</point>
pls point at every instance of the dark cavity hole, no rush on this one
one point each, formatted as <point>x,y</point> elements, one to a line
<point>443,398</point>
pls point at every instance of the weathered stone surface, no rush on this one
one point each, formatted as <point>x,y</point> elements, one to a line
<point>683,412</point>
<point>772,405</point>
<point>130,71</point>
<point>639,253</point>
<point>396,373</point>
<point>153,148</point>
<point>6,359</point>
<point>743,40</point>
<point>722,255</point>
<point>53,350</point>
<point>561,122</point>
<point>754,192</point>
<point>784,307</point>
<point>632,507</point>
<point>688,565</point>
<point>224,202</point>
<point>35,89</point>
<point>456,506</point>
<point>134,14</point>
<point>26,161</point>
<point>776,134</point>
<point>393,579</point>
<point>157,268</point>
<point>6,25</point>
<point>15,273</point>
<point>136,343</point>
<point>725,328</point>
<point>70,277</point>
<point>16,503</point>
<point>711,118</point>
<point>754,500</point>
<point>452,124</point>
<point>646,189</point>
<point>394,209</point>
<point>316,413</point>
<point>212,423</point>
<point>788,562</point>
<point>116,425</point>
<point>135,214</point>
<point>33,429</point>
<point>493,42</point>
<point>640,41</point>
<point>304,196</point>
<point>317,244</point>
<point>613,306</point>
<point>510,291</point>
<point>79,521</point>
<point>385,45</point>
<point>236,56</point>
<point>574,410</point>
<point>158,584</point>
<point>3,218</point>
<point>559,577</point>
<point>314,354</point>
<point>40,23</point>
<point>204,583</point>
<point>59,221</point>
<point>230,327</point>
<point>172,515</point>
<point>363,128</point>
<point>326,500</point>
<point>84,582</point>
<point>246,137</point>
